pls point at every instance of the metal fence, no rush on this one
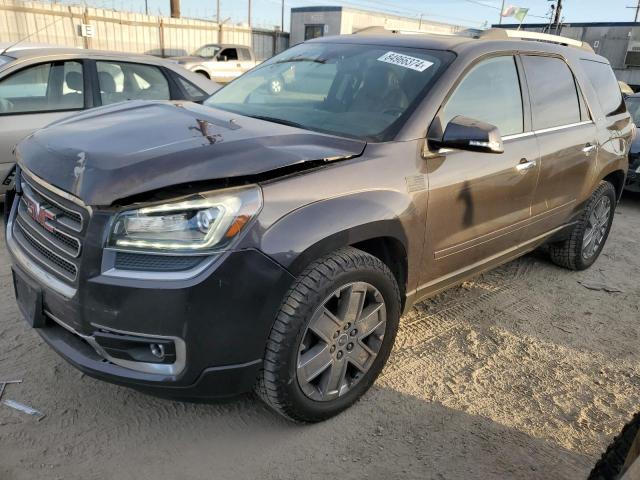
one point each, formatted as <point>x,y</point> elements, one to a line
<point>125,31</point>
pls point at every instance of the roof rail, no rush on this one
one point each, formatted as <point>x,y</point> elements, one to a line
<point>504,33</point>
<point>382,30</point>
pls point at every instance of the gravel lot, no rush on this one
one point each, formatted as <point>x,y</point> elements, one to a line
<point>520,373</point>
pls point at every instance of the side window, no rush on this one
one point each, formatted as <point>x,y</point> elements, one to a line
<point>190,89</point>
<point>554,95</point>
<point>606,86</point>
<point>313,31</point>
<point>47,87</point>
<point>120,81</point>
<point>230,53</point>
<point>491,93</point>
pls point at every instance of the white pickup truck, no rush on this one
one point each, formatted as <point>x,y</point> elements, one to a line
<point>219,62</point>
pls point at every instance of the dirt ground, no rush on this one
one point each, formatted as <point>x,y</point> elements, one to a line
<point>520,373</point>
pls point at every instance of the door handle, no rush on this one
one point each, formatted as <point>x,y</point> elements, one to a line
<point>588,149</point>
<point>526,165</point>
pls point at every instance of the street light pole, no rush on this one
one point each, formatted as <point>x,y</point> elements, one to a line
<point>501,10</point>
<point>249,13</point>
<point>218,12</point>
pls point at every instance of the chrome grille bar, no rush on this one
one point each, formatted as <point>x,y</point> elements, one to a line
<point>49,228</point>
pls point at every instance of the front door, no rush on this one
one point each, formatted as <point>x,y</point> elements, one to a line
<point>479,203</point>
<point>228,65</point>
<point>31,98</point>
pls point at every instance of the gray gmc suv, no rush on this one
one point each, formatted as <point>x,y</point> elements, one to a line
<point>271,239</point>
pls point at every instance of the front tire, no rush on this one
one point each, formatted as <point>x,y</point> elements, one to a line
<point>332,336</point>
<point>590,234</point>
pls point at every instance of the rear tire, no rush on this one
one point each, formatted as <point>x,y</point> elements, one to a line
<point>333,283</point>
<point>589,236</point>
<point>612,462</point>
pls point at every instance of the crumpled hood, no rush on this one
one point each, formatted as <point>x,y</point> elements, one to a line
<point>114,152</point>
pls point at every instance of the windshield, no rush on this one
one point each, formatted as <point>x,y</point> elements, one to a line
<point>633,105</point>
<point>361,91</point>
<point>208,51</point>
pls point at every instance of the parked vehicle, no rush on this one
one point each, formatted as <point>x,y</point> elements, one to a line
<point>621,460</point>
<point>220,62</point>
<point>633,177</point>
<point>272,240</point>
<point>42,85</point>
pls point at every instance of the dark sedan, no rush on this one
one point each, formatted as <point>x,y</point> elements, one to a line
<point>633,178</point>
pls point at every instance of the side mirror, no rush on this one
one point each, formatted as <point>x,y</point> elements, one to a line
<point>222,58</point>
<point>463,133</point>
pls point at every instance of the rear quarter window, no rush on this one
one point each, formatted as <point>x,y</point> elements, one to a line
<point>605,84</point>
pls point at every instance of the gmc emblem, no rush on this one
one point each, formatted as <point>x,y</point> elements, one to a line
<point>40,214</point>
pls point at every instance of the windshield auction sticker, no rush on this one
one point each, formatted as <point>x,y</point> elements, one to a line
<point>405,61</point>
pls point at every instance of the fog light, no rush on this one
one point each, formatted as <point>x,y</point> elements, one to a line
<point>157,350</point>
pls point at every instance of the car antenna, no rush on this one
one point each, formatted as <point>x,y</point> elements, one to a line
<point>30,35</point>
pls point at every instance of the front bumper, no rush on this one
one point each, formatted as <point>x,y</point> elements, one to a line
<point>223,317</point>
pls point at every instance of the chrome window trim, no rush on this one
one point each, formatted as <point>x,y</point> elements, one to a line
<point>531,133</point>
<point>515,136</point>
<point>562,127</point>
<point>31,267</point>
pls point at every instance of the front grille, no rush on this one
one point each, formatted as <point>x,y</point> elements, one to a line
<point>49,228</point>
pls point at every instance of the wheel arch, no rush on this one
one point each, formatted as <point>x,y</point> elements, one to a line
<point>369,221</point>
<point>202,71</point>
<point>616,178</point>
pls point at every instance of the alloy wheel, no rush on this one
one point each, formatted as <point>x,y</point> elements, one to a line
<point>597,228</point>
<point>342,341</point>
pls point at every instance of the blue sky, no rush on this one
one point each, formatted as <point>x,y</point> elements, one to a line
<point>266,13</point>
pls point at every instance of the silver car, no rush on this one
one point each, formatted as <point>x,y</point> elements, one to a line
<point>41,85</point>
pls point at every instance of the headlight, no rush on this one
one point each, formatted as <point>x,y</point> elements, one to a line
<point>198,224</point>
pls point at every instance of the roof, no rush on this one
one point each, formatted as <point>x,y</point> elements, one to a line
<point>459,43</point>
<point>52,51</point>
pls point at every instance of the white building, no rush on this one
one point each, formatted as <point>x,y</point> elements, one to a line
<point>312,22</point>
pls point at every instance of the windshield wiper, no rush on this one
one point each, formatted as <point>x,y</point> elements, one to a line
<point>303,59</point>
<point>278,120</point>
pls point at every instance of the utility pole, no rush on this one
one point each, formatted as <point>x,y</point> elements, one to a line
<point>637,9</point>
<point>175,8</point>
<point>218,12</point>
<point>556,21</point>
<point>249,13</point>
<point>502,10</point>
<point>282,18</point>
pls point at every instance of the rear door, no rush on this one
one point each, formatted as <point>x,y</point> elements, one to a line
<point>31,97</point>
<point>480,202</point>
<point>567,140</point>
<point>121,81</point>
